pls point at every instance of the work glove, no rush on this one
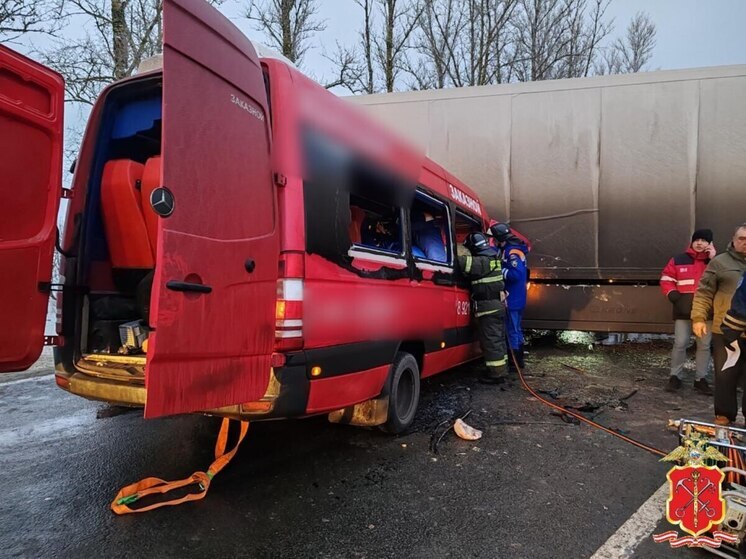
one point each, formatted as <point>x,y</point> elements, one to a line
<point>674,296</point>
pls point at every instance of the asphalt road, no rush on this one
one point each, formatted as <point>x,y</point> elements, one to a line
<point>533,486</point>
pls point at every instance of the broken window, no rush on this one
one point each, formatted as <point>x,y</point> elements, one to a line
<point>376,226</point>
<point>465,224</point>
<point>430,226</point>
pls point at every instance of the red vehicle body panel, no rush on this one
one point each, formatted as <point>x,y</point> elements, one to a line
<point>31,119</point>
<point>237,176</point>
<point>340,308</point>
<point>212,349</point>
<point>338,392</point>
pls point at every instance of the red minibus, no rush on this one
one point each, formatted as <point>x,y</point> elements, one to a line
<point>238,241</point>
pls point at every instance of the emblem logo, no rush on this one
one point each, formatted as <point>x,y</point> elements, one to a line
<point>695,503</point>
<point>162,201</point>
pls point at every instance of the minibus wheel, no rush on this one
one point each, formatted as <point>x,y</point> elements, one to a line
<point>403,389</point>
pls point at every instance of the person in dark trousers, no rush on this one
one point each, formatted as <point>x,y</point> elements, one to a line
<point>734,321</point>
<point>679,280</point>
<point>513,252</point>
<point>714,293</point>
<point>482,268</point>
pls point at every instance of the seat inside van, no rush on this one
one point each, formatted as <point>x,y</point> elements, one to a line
<point>121,228</point>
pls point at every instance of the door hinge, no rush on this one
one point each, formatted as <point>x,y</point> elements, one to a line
<point>48,286</point>
<point>54,340</point>
<point>67,193</point>
<point>280,179</point>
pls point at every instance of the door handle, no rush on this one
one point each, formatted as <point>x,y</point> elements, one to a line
<point>174,285</point>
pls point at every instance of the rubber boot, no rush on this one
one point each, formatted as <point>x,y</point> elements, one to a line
<point>494,375</point>
<point>519,356</point>
<point>511,363</point>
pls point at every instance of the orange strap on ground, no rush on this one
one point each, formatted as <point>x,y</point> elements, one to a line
<point>154,486</point>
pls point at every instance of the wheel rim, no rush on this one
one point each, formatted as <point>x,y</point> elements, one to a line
<point>405,393</point>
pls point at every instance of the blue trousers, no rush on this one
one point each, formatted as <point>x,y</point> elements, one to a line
<point>513,328</point>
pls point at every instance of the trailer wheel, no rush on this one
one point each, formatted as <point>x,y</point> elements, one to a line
<point>403,390</point>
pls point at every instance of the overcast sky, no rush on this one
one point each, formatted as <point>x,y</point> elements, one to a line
<point>691,33</point>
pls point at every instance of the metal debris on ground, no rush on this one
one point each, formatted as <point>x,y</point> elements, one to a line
<point>435,438</point>
<point>576,369</point>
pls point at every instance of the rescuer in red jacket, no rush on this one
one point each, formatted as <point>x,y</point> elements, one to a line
<point>679,281</point>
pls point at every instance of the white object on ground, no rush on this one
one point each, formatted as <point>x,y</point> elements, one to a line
<point>466,432</point>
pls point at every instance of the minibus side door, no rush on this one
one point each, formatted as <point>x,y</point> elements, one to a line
<point>214,291</point>
<point>31,120</point>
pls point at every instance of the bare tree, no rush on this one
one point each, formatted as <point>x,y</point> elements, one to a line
<point>633,52</point>
<point>384,42</point>
<point>637,50</point>
<point>287,24</point>
<point>558,39</point>
<point>18,17</point>
<point>355,65</point>
<point>366,36</point>
<point>440,26</point>
<point>400,19</point>
<point>480,50</point>
<point>118,35</point>
<point>586,31</point>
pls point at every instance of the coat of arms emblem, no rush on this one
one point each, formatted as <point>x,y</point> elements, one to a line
<point>695,503</point>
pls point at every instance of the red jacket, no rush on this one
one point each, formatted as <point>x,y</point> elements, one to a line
<point>680,278</point>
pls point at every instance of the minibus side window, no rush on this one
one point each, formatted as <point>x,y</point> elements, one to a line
<point>375,226</point>
<point>430,227</point>
<point>352,204</point>
<point>465,224</point>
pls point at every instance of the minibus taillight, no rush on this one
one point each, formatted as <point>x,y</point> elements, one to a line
<point>289,306</point>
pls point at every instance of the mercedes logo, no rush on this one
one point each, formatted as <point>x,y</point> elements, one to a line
<point>162,201</point>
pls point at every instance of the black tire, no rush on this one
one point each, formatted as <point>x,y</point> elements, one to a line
<point>403,390</point>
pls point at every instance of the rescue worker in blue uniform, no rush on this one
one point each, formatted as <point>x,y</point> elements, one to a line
<point>427,237</point>
<point>513,252</point>
<point>484,271</point>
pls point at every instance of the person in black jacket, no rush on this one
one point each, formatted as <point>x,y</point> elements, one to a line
<point>483,269</point>
<point>734,321</point>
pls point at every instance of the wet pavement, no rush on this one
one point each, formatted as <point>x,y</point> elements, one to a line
<point>533,486</point>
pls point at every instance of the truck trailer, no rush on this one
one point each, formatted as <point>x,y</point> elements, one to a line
<point>607,176</point>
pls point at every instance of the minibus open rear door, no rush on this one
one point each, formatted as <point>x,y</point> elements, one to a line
<point>214,291</point>
<point>31,119</point>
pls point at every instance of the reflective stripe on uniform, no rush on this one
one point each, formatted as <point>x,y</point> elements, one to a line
<point>667,278</point>
<point>733,322</point>
<point>518,253</point>
<point>486,313</point>
<point>498,363</point>
<point>685,282</point>
<point>467,268</point>
<point>488,279</point>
